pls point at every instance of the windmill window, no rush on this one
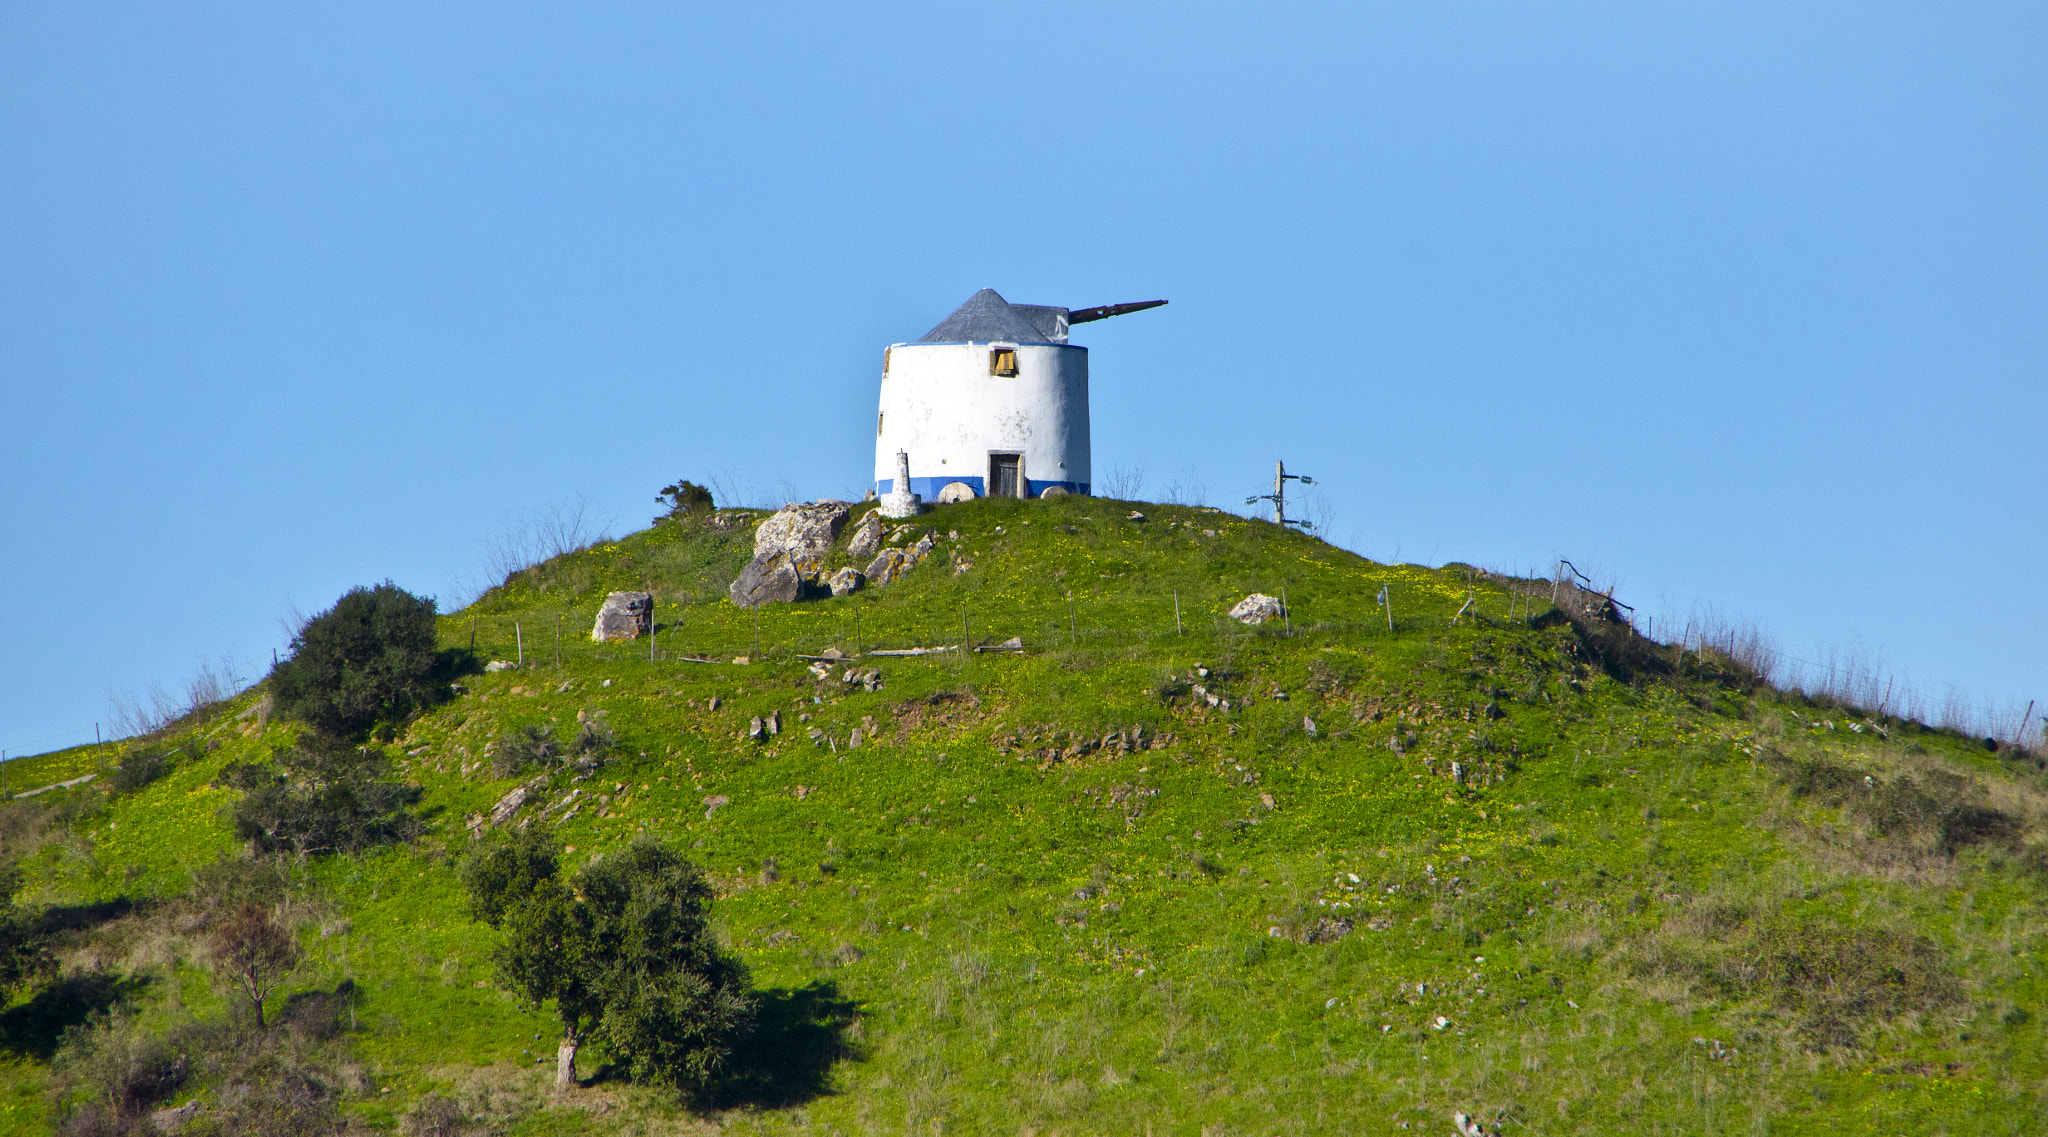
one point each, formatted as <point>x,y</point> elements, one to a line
<point>1002,361</point>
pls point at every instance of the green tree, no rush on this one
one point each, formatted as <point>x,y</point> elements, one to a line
<point>321,795</point>
<point>371,657</point>
<point>625,956</point>
<point>501,877</point>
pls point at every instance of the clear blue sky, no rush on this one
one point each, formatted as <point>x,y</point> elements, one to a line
<point>1740,305</point>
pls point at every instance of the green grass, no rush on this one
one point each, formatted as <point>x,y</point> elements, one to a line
<point>1025,935</point>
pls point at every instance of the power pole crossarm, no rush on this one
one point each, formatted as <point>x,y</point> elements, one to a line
<point>1279,495</point>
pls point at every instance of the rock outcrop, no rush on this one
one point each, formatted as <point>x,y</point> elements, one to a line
<point>773,578</point>
<point>789,553</point>
<point>887,566</point>
<point>867,536</point>
<point>625,616</point>
<point>847,580</point>
<point>805,531</point>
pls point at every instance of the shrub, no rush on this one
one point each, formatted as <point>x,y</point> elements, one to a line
<point>370,657</point>
<point>538,746</point>
<point>24,948</point>
<point>524,749</point>
<point>140,768</point>
<point>1832,979</point>
<point>127,1070</point>
<point>684,499</point>
<point>437,1116</point>
<point>321,796</point>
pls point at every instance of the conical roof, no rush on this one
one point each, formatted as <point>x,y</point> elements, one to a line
<point>986,318</point>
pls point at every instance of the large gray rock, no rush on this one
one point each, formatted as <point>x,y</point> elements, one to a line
<point>770,578</point>
<point>625,616</point>
<point>805,531</point>
<point>887,566</point>
<point>1256,609</point>
<point>847,580</point>
<point>867,536</point>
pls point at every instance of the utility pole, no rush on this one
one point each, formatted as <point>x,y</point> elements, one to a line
<point>1279,495</point>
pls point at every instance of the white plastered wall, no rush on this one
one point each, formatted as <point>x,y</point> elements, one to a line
<point>940,404</point>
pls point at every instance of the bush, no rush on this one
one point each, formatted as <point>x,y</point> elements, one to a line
<point>321,796</point>
<point>437,1116</point>
<point>1832,979</point>
<point>684,499</point>
<point>371,657</point>
<point>127,1070</point>
<point>538,746</point>
<point>524,749</point>
<point>141,767</point>
<point>113,1072</point>
<point>24,949</point>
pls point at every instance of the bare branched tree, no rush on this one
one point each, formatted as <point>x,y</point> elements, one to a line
<point>255,953</point>
<point>211,682</point>
<point>1187,488</point>
<point>1125,481</point>
<point>547,532</point>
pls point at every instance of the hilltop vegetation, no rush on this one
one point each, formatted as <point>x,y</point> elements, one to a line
<point>1350,871</point>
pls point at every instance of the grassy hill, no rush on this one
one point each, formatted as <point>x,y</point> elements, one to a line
<point>1441,858</point>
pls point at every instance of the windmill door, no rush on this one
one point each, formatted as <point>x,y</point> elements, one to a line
<point>1006,475</point>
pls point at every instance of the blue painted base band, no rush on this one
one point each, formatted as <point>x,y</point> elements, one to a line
<point>928,488</point>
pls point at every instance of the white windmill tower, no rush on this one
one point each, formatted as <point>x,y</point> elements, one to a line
<point>993,401</point>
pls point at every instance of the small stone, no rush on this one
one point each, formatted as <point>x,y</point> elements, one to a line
<point>714,801</point>
<point>922,549</point>
<point>1135,516</point>
<point>1308,726</point>
<point>847,581</point>
<point>756,730</point>
<point>853,740</point>
<point>500,665</point>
